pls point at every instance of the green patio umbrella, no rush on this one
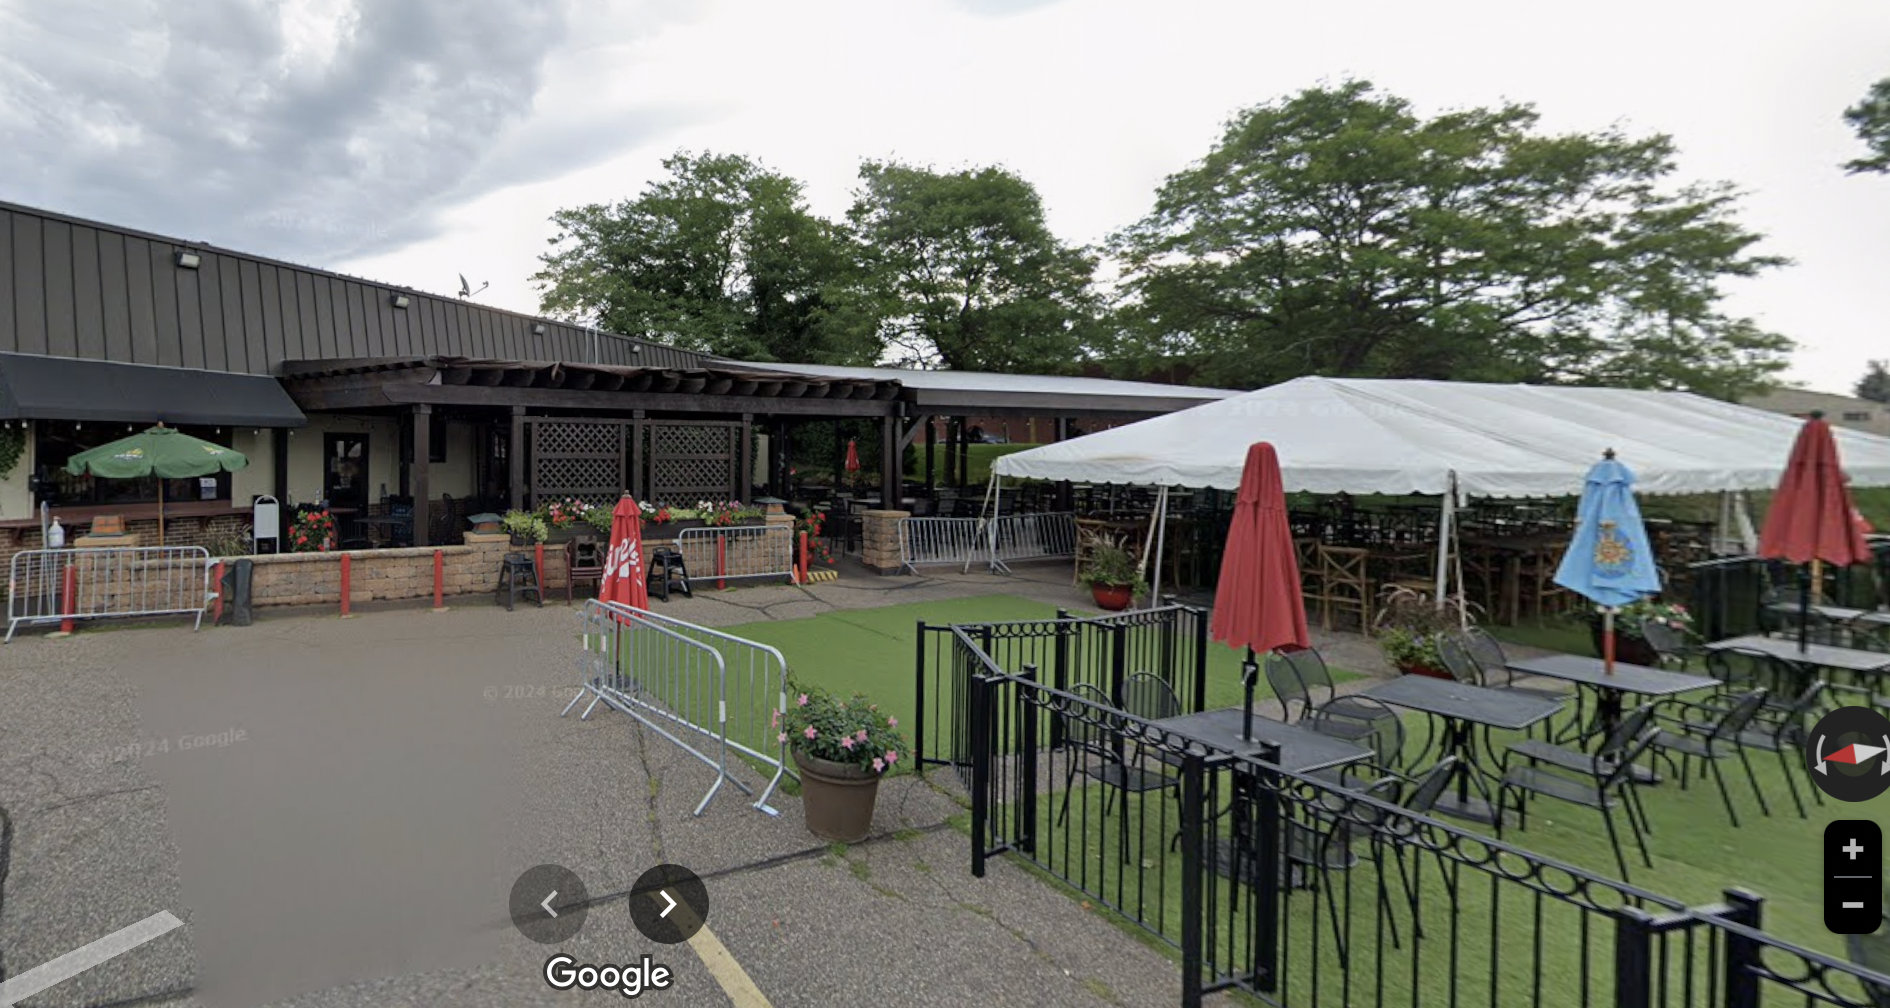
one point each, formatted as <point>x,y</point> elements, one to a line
<point>158,451</point>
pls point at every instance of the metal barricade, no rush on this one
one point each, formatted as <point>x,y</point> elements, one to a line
<point>940,541</point>
<point>742,551</point>
<point>707,691</point>
<point>53,585</point>
<point>1020,537</point>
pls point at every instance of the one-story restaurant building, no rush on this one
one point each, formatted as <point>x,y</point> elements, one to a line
<point>359,393</point>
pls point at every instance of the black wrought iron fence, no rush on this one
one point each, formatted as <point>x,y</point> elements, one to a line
<point>1317,889</point>
<point>1100,651</point>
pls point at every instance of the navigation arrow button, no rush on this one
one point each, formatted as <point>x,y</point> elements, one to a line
<point>547,903</point>
<point>666,899</point>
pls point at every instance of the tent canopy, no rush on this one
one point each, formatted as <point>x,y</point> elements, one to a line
<point>1390,436</point>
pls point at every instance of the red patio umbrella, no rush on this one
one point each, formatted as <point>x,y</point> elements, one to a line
<point>853,456</point>
<point>1257,604</point>
<point>624,581</point>
<point>1812,519</point>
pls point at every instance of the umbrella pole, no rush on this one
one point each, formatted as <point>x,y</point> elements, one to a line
<point>1804,609</point>
<point>1607,639</point>
<point>1817,578</point>
<point>1249,672</point>
<point>160,541</point>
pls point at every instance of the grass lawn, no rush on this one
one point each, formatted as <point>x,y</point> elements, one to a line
<point>872,651</point>
<point>1494,941</point>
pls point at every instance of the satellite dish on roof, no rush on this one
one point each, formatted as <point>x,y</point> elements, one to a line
<point>466,290</point>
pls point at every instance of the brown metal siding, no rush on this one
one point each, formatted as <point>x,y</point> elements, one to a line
<point>80,289</point>
<point>114,283</point>
<point>29,285</point>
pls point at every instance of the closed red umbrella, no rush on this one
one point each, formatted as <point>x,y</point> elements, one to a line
<point>1257,604</point>
<point>624,581</point>
<point>853,456</point>
<point>1811,518</point>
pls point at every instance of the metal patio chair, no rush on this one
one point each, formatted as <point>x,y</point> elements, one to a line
<point>1325,845</point>
<point>1671,645</point>
<point>1609,783</point>
<point>1302,677</point>
<point>1487,652</point>
<point>1100,755</point>
<point>1150,697</point>
<point>1782,731</point>
<point>1710,732</point>
<point>1631,727</point>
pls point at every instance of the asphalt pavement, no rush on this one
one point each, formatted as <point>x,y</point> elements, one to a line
<point>338,810</point>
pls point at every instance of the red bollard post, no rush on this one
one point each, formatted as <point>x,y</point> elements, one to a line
<point>806,562</point>
<point>538,560</point>
<point>216,606</point>
<point>439,578</point>
<point>721,561</point>
<point>347,576</point>
<point>71,597</point>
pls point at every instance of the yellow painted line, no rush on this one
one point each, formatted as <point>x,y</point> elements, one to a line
<point>741,991</point>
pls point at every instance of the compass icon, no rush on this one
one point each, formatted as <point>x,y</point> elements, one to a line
<point>1848,754</point>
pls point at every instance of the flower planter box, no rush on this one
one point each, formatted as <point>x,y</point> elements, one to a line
<point>1627,650</point>
<point>1431,671</point>
<point>572,533</point>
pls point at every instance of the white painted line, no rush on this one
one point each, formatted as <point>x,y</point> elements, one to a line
<point>81,959</point>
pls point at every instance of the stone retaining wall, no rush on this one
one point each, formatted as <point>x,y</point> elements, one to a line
<point>315,578</point>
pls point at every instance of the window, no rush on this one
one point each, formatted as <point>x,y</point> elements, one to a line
<point>55,441</point>
<point>1862,416</point>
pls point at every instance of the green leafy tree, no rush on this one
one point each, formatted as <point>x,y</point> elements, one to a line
<point>1871,119</point>
<point>1336,232</point>
<point>968,274</point>
<point>1875,384</point>
<point>720,256</point>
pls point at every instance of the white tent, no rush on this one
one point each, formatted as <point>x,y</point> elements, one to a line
<point>1388,436</point>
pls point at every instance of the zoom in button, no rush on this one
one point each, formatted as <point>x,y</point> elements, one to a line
<point>1853,877</point>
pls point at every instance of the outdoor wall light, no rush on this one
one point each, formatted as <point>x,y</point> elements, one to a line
<point>400,300</point>
<point>636,348</point>
<point>538,328</point>
<point>189,260</point>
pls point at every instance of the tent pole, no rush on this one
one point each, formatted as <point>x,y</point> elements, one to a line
<point>1446,517</point>
<point>986,527</point>
<point>1161,542</point>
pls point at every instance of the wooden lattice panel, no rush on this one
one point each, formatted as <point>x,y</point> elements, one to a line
<point>691,462</point>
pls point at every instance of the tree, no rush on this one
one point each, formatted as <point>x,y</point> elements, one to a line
<point>968,273</point>
<point>1336,232</point>
<point>721,256</point>
<point>1875,384</point>
<point>1871,119</point>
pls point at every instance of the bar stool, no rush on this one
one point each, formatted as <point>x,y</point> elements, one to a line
<point>1346,584</point>
<point>665,564</point>
<point>518,575</point>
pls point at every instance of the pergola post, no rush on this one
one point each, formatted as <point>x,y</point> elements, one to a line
<point>420,470</point>
<point>515,458</point>
<point>1066,494</point>
<point>745,482</point>
<point>778,483</point>
<point>931,456</point>
<point>891,480</point>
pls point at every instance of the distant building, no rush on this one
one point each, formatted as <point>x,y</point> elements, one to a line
<point>1844,411</point>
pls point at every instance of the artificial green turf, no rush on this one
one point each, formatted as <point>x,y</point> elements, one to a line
<point>873,651</point>
<point>1496,941</point>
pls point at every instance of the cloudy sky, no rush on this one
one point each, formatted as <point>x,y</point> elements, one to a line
<point>410,141</point>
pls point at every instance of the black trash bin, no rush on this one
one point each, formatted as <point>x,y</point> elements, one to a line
<point>237,578</point>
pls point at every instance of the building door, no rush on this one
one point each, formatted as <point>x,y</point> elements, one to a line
<point>345,479</point>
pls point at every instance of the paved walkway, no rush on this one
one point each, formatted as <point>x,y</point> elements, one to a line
<point>338,809</point>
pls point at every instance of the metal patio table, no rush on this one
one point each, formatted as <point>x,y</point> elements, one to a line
<point>1612,687</point>
<point>1463,706</point>
<point>1836,614</point>
<point>1301,751</point>
<point>1810,656</point>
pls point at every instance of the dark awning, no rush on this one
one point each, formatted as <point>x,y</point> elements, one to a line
<point>34,387</point>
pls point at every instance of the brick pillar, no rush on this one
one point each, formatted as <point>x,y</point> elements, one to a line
<point>880,536</point>
<point>780,527</point>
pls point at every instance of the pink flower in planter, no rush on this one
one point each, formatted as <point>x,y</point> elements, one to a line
<point>774,719</point>
<point>803,700</point>
<point>862,735</point>
<point>810,732</point>
<point>891,757</point>
<point>846,742</point>
<point>781,738</point>
<point>878,764</point>
<point>892,722</point>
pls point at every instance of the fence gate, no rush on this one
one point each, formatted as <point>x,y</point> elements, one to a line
<point>696,461</point>
<point>593,460</point>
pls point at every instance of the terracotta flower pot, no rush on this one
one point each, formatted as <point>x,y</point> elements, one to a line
<point>837,798</point>
<point>1414,668</point>
<point>1114,598</point>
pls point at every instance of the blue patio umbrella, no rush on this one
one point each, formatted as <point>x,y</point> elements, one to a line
<point>1609,560</point>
